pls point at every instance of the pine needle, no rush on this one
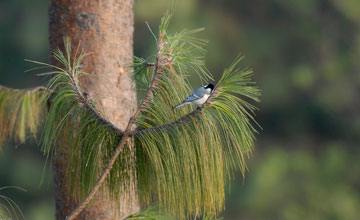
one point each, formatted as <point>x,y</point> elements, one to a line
<point>21,113</point>
<point>8,208</point>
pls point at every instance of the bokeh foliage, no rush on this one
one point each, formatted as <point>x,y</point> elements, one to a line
<point>305,186</point>
<point>305,54</point>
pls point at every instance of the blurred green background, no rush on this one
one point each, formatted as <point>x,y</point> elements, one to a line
<point>305,54</point>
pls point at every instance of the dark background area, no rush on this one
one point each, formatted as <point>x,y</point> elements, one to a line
<point>305,55</point>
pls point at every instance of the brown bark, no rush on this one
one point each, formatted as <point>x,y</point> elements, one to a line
<point>105,28</point>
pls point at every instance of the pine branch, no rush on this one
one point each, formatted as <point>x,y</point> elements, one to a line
<point>102,177</point>
<point>184,119</point>
<point>184,161</point>
<point>83,98</point>
<point>126,135</point>
<point>171,125</point>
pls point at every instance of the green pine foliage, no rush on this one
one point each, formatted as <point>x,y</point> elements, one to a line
<point>8,208</point>
<point>183,162</point>
<point>73,128</point>
<point>180,159</point>
<point>154,213</point>
<point>21,113</point>
<point>151,213</point>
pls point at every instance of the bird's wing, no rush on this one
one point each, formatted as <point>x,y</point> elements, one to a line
<point>197,94</point>
<point>191,98</point>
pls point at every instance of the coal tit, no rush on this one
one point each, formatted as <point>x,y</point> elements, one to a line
<point>198,97</point>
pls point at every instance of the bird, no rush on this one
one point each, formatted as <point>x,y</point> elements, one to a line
<point>198,97</point>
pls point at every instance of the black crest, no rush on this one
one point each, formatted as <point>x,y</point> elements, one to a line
<point>211,86</point>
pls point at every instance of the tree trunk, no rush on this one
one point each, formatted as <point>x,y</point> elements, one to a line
<point>105,28</point>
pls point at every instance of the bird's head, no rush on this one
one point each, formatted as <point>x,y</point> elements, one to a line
<point>209,86</point>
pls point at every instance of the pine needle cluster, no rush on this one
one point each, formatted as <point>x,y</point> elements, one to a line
<point>73,121</point>
<point>8,208</point>
<point>151,213</point>
<point>21,113</point>
<point>180,159</point>
<point>185,156</point>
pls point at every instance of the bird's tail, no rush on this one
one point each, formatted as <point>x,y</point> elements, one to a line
<point>181,104</point>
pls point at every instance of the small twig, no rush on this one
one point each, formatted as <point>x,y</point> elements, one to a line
<point>170,125</point>
<point>101,179</point>
<point>103,120</point>
<point>123,139</point>
<point>85,101</point>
